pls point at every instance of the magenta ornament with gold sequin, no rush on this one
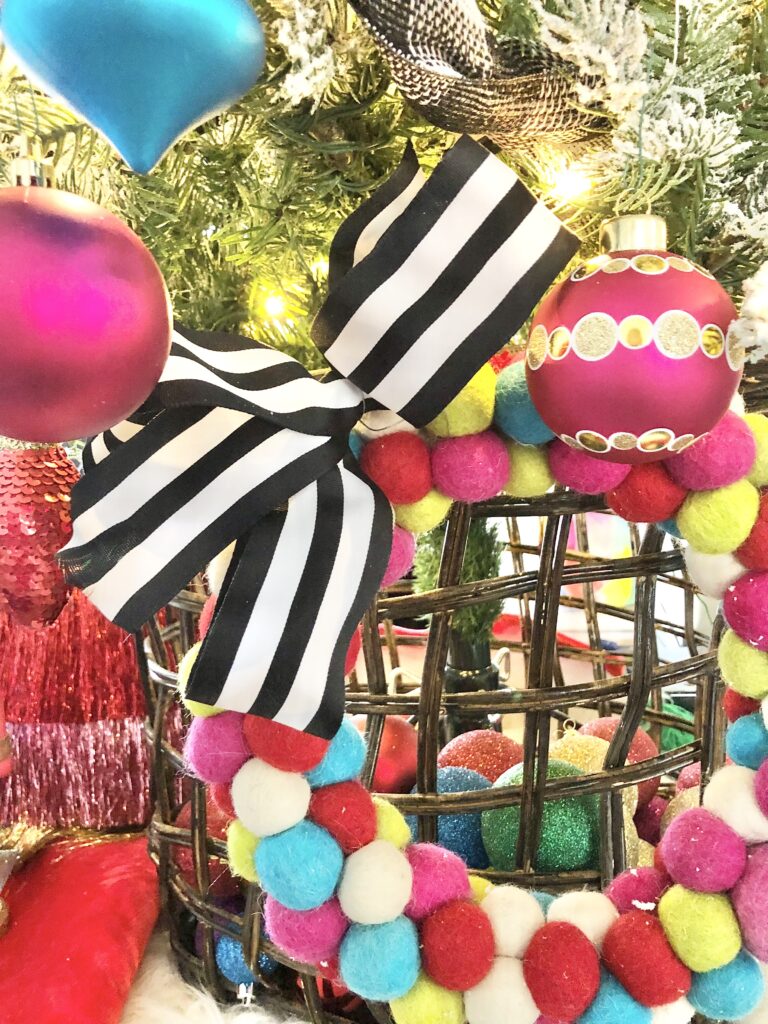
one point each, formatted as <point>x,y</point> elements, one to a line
<point>630,359</point>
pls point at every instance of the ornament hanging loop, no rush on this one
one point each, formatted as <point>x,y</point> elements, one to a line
<point>28,168</point>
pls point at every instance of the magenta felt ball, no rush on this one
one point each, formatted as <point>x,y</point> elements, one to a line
<point>745,607</point>
<point>582,472</point>
<point>439,877</point>
<point>310,936</point>
<point>761,787</point>
<point>637,889</point>
<point>470,468</point>
<point>215,748</point>
<point>750,901</point>
<point>723,456</point>
<point>702,853</point>
<point>400,556</point>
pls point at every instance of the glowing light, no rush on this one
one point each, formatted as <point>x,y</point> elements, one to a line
<point>274,305</point>
<point>569,183</point>
<point>320,267</point>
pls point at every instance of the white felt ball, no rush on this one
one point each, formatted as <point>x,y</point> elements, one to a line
<point>731,796</point>
<point>515,918</point>
<point>502,995</point>
<point>592,912</point>
<point>679,1012</point>
<point>217,569</point>
<point>376,884</point>
<point>267,800</point>
<point>764,709</point>
<point>738,405</point>
<point>712,574</point>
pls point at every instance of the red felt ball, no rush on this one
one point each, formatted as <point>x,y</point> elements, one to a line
<point>641,748</point>
<point>647,495</point>
<point>737,706</point>
<point>347,811</point>
<point>753,553</point>
<point>281,746</point>
<point>353,651</point>
<point>399,463</point>
<point>562,970</point>
<point>206,617</point>
<point>221,794</point>
<point>484,751</point>
<point>396,764</point>
<point>638,955</point>
<point>458,945</point>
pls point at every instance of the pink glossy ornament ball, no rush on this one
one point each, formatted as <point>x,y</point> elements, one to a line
<point>85,320</point>
<point>630,358</point>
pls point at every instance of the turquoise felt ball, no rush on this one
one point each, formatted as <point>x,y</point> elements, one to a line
<point>544,899</point>
<point>516,415</point>
<point>670,526</point>
<point>746,742</point>
<point>356,444</point>
<point>343,759</point>
<point>380,961</point>
<point>459,833</point>
<point>231,962</point>
<point>730,992</point>
<point>300,867</point>
<point>614,1005</point>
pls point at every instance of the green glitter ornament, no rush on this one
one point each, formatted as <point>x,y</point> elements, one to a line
<point>569,828</point>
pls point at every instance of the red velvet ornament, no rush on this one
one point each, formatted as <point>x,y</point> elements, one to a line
<point>396,763</point>
<point>399,463</point>
<point>737,706</point>
<point>753,553</point>
<point>647,495</point>
<point>283,747</point>
<point>457,945</point>
<point>562,970</point>
<point>637,953</point>
<point>347,811</point>
<point>222,885</point>
<point>641,748</point>
<point>483,750</point>
<point>34,523</point>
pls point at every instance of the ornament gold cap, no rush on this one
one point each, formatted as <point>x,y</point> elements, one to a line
<point>634,231</point>
<point>28,168</point>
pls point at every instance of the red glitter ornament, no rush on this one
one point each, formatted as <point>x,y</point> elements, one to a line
<point>222,885</point>
<point>641,748</point>
<point>484,751</point>
<point>400,464</point>
<point>637,953</point>
<point>35,522</point>
<point>562,970</point>
<point>457,945</point>
<point>347,811</point>
<point>647,495</point>
<point>396,763</point>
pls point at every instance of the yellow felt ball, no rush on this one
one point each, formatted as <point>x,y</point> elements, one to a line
<point>744,668</point>
<point>471,411</point>
<point>423,515</point>
<point>758,424</point>
<point>428,1003</point>
<point>701,927</point>
<point>391,826</point>
<point>529,473</point>
<point>480,887</point>
<point>194,707</point>
<point>717,522</point>
<point>588,753</point>
<point>241,847</point>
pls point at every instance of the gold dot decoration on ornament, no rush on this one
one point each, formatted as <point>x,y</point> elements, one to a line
<point>635,331</point>
<point>712,341</point>
<point>623,441</point>
<point>617,265</point>
<point>681,443</point>
<point>649,263</point>
<point>570,441</point>
<point>593,441</point>
<point>680,263</point>
<point>655,440</point>
<point>677,334</point>
<point>537,347</point>
<point>590,267</point>
<point>704,272</point>
<point>735,352</point>
<point>595,336</point>
<point>559,343</point>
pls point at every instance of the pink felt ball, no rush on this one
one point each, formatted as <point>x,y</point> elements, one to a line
<point>310,936</point>
<point>761,787</point>
<point>648,819</point>
<point>750,901</point>
<point>353,652</point>
<point>470,468</point>
<point>702,853</point>
<point>689,777</point>
<point>637,889</point>
<point>215,748</point>
<point>400,556</point>
<point>745,607</point>
<point>439,877</point>
<point>582,472</point>
<point>206,617</point>
<point>723,456</point>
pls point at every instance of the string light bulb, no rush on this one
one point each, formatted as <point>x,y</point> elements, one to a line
<point>570,182</point>
<point>274,305</point>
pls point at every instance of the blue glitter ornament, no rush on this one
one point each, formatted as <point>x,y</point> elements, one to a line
<point>231,961</point>
<point>380,961</point>
<point>343,759</point>
<point>460,833</point>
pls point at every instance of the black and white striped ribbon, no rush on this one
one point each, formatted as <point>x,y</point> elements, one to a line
<point>238,442</point>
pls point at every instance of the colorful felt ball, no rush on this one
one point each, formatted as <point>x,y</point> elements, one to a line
<point>591,912</point>
<point>758,424</point>
<point>423,516</point>
<point>470,468</point>
<point>736,705</point>
<point>343,759</point>
<point>268,800</point>
<point>457,945</point>
<point>215,748</point>
<point>460,833</point>
<point>346,811</point>
<point>730,992</point>
<point>231,961</point>
<point>647,495</point>
<point>702,853</point>
<point>614,1005</point>
<point>749,902</point>
<point>679,1012</point>
<point>562,970</point>
<point>730,795</point>
<point>400,556</point>
<point>439,876</point>
<point>281,746</point>
<point>657,976</point>
<point>380,961</point>
<point>390,824</point>
<point>428,1003</point>
<point>480,887</point>
<point>753,553</point>
<point>217,569</point>
<point>743,668</point>
<point>309,936</point>
<point>529,472</point>
<point>679,804</point>
<point>483,750</point>
<point>194,707</point>
<point>471,411</point>
<point>206,617</point>
<point>582,472</point>
<point>301,867</point>
<point>376,883</point>
<point>221,795</point>
<point>515,915</point>
<point>399,464</point>
<point>718,522</point>
<point>353,652</point>
<point>637,889</point>
<point>701,927</point>
<point>712,574</point>
<point>544,899</point>
<point>241,851</point>
<point>516,415</point>
<point>502,995</point>
<point>569,829</point>
<point>396,764</point>
<point>723,456</point>
<point>761,786</point>
<point>642,748</point>
<point>746,741</point>
<point>745,608</point>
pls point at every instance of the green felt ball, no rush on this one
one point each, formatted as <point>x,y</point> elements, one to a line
<point>471,411</point>
<point>758,424</point>
<point>529,473</point>
<point>424,515</point>
<point>569,829</point>
<point>744,668</point>
<point>241,850</point>
<point>717,522</point>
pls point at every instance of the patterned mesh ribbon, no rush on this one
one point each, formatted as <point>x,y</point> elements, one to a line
<point>448,65</point>
<point>428,279</point>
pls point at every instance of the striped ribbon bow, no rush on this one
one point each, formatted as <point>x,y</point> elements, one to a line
<point>238,442</point>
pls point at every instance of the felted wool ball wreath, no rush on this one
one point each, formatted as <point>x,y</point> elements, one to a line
<point>350,892</point>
